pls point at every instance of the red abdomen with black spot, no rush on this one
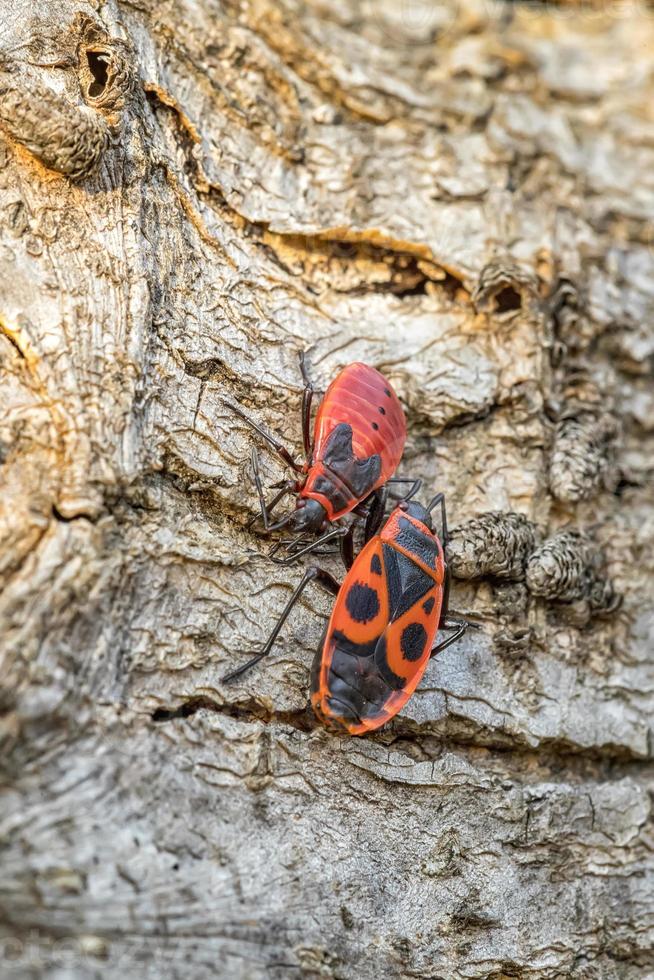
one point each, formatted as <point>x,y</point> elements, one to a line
<point>382,629</point>
<point>359,437</point>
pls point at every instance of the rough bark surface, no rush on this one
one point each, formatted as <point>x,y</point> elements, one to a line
<point>461,194</point>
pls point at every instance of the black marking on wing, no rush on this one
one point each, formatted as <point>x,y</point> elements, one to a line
<point>412,641</point>
<point>421,544</point>
<point>391,678</point>
<point>429,604</point>
<point>407,582</point>
<point>375,565</point>
<point>360,475</point>
<point>362,602</point>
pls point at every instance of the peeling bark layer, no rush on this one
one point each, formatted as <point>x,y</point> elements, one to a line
<point>190,194</point>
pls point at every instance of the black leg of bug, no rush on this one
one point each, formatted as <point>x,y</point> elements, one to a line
<point>440,499</point>
<point>445,623</point>
<point>341,531</point>
<point>272,440</point>
<point>268,507</point>
<point>292,545</point>
<point>414,488</point>
<point>307,398</point>
<point>459,625</point>
<point>347,548</point>
<point>289,486</point>
<point>376,511</point>
<point>363,507</point>
<point>314,574</point>
<point>445,603</point>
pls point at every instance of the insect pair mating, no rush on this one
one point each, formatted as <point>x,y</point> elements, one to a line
<point>394,597</point>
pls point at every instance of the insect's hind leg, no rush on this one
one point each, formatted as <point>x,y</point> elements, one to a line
<point>314,574</point>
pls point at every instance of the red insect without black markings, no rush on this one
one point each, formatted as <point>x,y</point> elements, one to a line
<point>383,626</point>
<point>358,440</point>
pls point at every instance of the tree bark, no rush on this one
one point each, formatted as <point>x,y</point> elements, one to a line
<point>191,193</point>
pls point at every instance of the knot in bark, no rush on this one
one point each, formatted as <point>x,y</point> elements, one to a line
<point>570,567</point>
<point>581,456</point>
<point>496,543</point>
<point>64,137</point>
<point>504,289</point>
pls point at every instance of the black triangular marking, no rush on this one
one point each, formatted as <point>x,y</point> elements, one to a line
<point>360,475</point>
<point>419,543</point>
<point>364,475</point>
<point>407,583</point>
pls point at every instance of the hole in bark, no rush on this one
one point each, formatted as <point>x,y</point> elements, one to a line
<point>507,299</point>
<point>624,484</point>
<point>168,714</point>
<point>99,67</point>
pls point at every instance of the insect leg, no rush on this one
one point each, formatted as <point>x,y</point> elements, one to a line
<point>445,604</point>
<point>460,626</point>
<point>307,398</point>
<point>288,487</point>
<point>375,513</point>
<point>415,485</point>
<point>440,499</point>
<point>315,574</point>
<point>272,440</point>
<point>362,508</point>
<point>269,507</point>
<point>337,532</point>
<point>347,548</point>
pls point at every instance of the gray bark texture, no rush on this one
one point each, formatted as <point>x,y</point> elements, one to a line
<point>191,193</point>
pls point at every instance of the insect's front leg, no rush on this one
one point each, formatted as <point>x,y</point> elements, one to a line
<point>289,486</point>
<point>440,499</point>
<point>307,398</point>
<point>340,531</point>
<point>272,440</point>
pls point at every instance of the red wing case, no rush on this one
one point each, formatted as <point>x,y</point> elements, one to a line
<point>382,629</point>
<point>359,437</point>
